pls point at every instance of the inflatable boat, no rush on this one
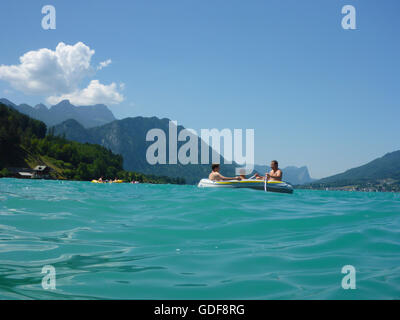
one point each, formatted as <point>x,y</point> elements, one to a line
<point>97,181</point>
<point>272,186</point>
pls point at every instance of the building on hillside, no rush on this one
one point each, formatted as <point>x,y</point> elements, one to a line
<point>41,172</point>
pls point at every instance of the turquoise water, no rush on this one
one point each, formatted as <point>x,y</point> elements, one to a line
<point>181,242</point>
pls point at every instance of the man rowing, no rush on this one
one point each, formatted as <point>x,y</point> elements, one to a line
<point>274,175</point>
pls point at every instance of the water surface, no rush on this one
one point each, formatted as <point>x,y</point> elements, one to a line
<point>123,241</point>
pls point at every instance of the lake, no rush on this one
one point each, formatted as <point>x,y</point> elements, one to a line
<point>141,241</point>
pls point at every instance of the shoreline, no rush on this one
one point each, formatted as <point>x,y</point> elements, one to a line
<point>90,181</point>
<point>346,188</point>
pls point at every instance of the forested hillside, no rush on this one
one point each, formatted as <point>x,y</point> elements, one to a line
<point>24,143</point>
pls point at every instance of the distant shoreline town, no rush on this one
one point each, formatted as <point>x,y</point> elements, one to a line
<point>367,187</point>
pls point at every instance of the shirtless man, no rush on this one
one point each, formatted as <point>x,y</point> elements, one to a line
<point>274,175</point>
<point>216,176</point>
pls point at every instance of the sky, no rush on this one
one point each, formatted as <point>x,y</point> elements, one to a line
<point>314,93</point>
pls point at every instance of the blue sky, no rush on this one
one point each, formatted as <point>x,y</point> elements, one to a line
<point>316,94</point>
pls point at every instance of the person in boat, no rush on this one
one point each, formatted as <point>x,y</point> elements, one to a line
<point>216,176</point>
<point>100,179</point>
<point>274,175</point>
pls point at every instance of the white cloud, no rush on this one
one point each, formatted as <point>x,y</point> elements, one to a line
<point>93,94</point>
<point>57,75</point>
<point>104,64</point>
<point>45,71</point>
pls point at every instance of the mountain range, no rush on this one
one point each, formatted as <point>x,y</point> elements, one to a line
<point>127,137</point>
<point>88,116</point>
<point>380,174</point>
<point>28,145</point>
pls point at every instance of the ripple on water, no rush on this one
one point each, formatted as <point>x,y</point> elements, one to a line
<point>166,241</point>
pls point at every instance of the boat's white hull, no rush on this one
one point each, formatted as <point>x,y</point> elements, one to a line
<point>272,186</point>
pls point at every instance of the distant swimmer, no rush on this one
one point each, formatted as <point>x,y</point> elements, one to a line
<point>274,175</point>
<point>216,176</point>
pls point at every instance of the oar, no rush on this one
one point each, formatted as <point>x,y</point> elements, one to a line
<point>265,184</point>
